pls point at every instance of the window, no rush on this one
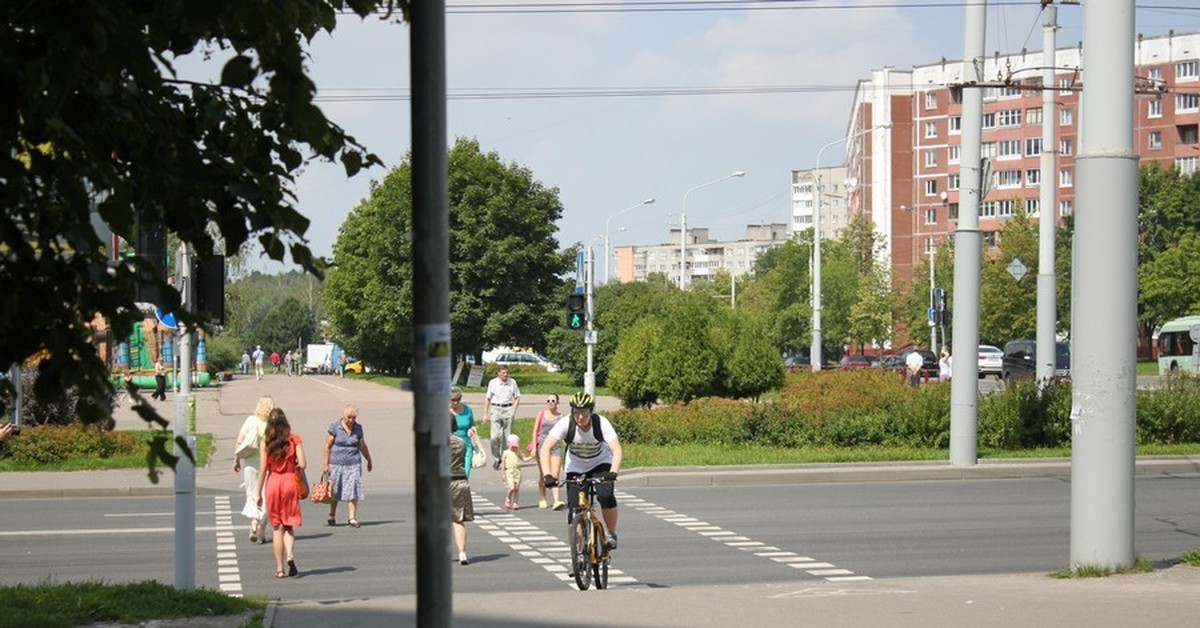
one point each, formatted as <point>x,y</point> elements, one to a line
<point>987,150</point>
<point>1033,116</point>
<point>1186,165</point>
<point>956,95</point>
<point>1065,83</point>
<point>953,212</point>
<point>930,187</point>
<point>1033,177</point>
<point>1005,208</point>
<point>931,129</point>
<point>1154,140</point>
<point>1187,134</point>
<point>930,158</point>
<point>1009,149</point>
<point>1033,206</point>
<point>1066,117</point>
<point>1065,147</point>
<point>1065,207</point>
<point>953,154</point>
<point>1008,118</point>
<point>1033,146</point>
<point>1186,70</point>
<point>989,239</point>
<point>1011,91</point>
<point>1154,74</point>
<point>1187,103</point>
<point>1154,108</point>
<point>931,100</point>
<point>952,181</point>
<point>989,94</point>
<point>1008,179</point>
<point>930,246</point>
<point>1066,178</point>
<point>931,216</point>
<point>989,120</point>
<point>987,209</point>
<point>955,124</point>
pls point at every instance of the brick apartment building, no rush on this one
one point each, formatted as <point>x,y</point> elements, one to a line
<point>908,173</point>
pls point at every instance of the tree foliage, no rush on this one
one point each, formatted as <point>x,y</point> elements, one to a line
<point>505,267</point>
<point>102,134</point>
<point>1007,307</point>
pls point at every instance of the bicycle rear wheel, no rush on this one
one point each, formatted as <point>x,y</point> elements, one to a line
<point>600,558</point>
<point>579,534</point>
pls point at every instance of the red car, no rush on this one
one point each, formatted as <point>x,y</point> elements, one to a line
<point>850,362</point>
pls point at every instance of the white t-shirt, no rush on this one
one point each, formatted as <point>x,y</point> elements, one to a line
<point>585,452</point>
<point>500,393</point>
<point>914,361</point>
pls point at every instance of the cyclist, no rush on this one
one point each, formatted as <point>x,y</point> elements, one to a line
<point>593,451</point>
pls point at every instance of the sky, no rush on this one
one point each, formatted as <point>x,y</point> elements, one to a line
<point>626,141</point>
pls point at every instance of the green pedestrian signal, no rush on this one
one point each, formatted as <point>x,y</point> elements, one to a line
<point>576,311</point>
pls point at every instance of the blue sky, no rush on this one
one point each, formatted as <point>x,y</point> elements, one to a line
<point>605,154</point>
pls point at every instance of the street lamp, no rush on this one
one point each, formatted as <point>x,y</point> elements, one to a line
<point>608,232</point>
<point>815,350</point>
<point>683,226</point>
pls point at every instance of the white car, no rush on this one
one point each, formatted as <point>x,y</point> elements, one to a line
<point>525,359</point>
<point>991,361</point>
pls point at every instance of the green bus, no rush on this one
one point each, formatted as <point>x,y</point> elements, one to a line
<point>1173,343</point>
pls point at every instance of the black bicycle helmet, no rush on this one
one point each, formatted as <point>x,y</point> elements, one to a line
<point>582,400</point>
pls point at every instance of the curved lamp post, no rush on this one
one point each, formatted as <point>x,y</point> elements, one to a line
<point>683,226</point>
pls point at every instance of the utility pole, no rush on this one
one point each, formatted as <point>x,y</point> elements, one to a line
<point>185,468</point>
<point>431,311</point>
<point>1047,300</point>
<point>589,335</point>
<point>1104,311</point>
<point>964,381</point>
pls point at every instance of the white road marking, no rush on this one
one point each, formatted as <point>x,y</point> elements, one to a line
<point>229,574</point>
<point>734,540</point>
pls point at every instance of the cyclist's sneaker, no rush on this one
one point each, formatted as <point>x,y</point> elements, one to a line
<point>559,505</point>
<point>611,542</point>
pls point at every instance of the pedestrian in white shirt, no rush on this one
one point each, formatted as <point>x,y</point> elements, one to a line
<point>499,407</point>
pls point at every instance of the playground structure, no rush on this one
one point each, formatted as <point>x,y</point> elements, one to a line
<point>134,357</point>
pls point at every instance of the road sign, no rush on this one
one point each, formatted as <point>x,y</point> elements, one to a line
<point>589,337</point>
<point>1017,269</point>
<point>166,318</point>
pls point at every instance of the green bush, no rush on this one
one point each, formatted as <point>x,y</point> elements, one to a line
<point>1025,415</point>
<point>1170,414</point>
<point>51,444</point>
<point>224,353</point>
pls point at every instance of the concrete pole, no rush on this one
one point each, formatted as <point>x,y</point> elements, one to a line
<point>964,381</point>
<point>683,244</point>
<point>933,338</point>
<point>814,352</point>
<point>431,312</point>
<point>1047,300</point>
<point>185,469</point>
<point>589,377</point>
<point>1104,313</point>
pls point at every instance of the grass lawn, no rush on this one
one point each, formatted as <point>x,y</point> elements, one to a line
<point>82,603</point>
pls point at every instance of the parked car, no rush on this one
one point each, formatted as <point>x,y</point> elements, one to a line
<point>991,361</point>
<point>892,362</point>
<point>851,362</point>
<point>526,359</point>
<point>1020,360</point>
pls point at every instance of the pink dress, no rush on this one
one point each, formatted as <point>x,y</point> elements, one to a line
<point>283,503</point>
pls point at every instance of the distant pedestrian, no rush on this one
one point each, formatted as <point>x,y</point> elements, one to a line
<point>245,364</point>
<point>288,361</point>
<point>499,407</point>
<point>259,355</point>
<point>545,420</point>
<point>342,364</point>
<point>282,453</point>
<point>461,508</point>
<point>945,365</point>
<point>160,380</point>
<point>913,363</point>
<point>464,424</point>
<point>345,449</point>
<point>248,461</point>
<point>275,361</point>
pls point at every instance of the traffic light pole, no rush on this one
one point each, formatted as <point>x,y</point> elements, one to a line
<point>589,336</point>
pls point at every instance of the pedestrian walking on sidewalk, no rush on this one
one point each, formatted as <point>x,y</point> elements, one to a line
<point>499,407</point>
<point>160,380</point>
<point>282,453</point>
<point>545,420</point>
<point>464,424</point>
<point>461,508</point>
<point>248,462</point>
<point>345,450</point>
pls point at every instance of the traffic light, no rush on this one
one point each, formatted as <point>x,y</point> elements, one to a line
<point>576,311</point>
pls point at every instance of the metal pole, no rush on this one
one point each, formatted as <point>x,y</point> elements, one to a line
<point>589,377</point>
<point>608,230</point>
<point>933,338</point>
<point>1104,312</point>
<point>964,380</point>
<point>1047,300</point>
<point>431,312</point>
<point>683,225</point>
<point>185,469</point>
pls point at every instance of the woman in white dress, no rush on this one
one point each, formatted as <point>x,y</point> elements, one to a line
<point>246,460</point>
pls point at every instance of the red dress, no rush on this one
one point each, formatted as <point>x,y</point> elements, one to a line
<point>283,503</point>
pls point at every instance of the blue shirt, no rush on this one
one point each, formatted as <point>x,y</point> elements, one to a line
<point>345,450</point>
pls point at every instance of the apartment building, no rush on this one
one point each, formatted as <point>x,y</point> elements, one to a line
<point>835,212</point>
<point>705,256</point>
<point>912,166</point>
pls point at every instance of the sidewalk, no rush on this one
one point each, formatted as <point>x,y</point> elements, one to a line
<point>1169,596</point>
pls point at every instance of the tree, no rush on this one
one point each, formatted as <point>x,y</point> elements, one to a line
<point>287,325</point>
<point>505,267</point>
<point>1170,283</point>
<point>871,314</point>
<point>684,364</point>
<point>1007,307</point>
<point>751,364</point>
<point>101,130</point>
<point>781,294</point>
<point>630,377</point>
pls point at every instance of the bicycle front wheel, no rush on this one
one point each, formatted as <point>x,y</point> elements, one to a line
<point>580,533</point>
<point>599,557</point>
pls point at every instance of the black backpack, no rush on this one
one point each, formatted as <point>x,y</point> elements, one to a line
<point>596,433</point>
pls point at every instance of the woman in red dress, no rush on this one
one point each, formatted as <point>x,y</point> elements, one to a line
<point>281,454</point>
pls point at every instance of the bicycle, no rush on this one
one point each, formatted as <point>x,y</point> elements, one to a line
<point>586,533</point>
